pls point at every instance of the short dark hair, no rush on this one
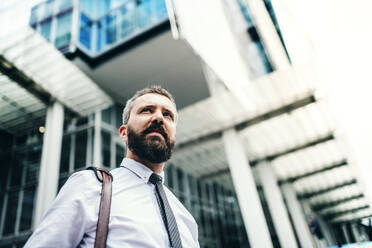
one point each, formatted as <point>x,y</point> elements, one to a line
<point>153,89</point>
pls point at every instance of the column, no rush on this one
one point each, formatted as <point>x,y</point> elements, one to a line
<point>50,159</point>
<point>324,227</point>
<point>355,231</point>
<point>346,234</point>
<point>298,217</point>
<point>246,191</point>
<point>276,205</point>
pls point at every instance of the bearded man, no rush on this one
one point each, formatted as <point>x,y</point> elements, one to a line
<point>139,216</point>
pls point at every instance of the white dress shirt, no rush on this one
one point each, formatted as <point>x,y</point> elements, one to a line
<point>135,219</point>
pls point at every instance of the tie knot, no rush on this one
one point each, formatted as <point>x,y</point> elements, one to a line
<point>155,178</point>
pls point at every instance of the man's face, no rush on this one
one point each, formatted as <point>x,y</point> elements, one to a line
<point>151,128</point>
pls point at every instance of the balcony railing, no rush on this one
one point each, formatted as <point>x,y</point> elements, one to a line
<point>97,35</point>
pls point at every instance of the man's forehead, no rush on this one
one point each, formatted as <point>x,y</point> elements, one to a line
<point>154,99</point>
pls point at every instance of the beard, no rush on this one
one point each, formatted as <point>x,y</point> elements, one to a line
<point>153,149</point>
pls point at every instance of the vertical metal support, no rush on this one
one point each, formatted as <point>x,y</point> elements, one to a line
<point>97,149</point>
<point>298,217</point>
<point>276,205</point>
<point>246,191</point>
<point>346,234</point>
<point>356,233</point>
<point>20,200</point>
<point>50,161</point>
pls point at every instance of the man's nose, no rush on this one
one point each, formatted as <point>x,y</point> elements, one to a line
<point>158,116</point>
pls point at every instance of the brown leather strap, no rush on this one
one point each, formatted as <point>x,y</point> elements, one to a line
<point>104,208</point>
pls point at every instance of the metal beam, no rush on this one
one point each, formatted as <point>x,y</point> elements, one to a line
<point>326,190</point>
<point>250,122</point>
<point>338,214</point>
<point>272,156</point>
<point>294,149</point>
<point>312,173</point>
<point>322,206</point>
<point>352,220</point>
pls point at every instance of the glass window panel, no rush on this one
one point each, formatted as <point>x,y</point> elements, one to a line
<point>11,212</point>
<point>119,118</point>
<point>34,14</point>
<point>143,13</point>
<point>6,165</point>
<point>65,153</point>
<point>181,182</point>
<point>62,181</point>
<point>45,29</point>
<point>99,36</point>
<point>82,121</point>
<point>120,152</point>
<point>160,9</point>
<point>106,148</point>
<point>87,6</point>
<point>169,176</point>
<point>111,28</point>
<point>32,172</point>
<point>127,19</point>
<point>106,115</point>
<point>17,170</point>
<point>64,4</point>
<point>102,7</point>
<point>63,32</point>
<point>80,149</point>
<point>48,8</point>
<point>85,35</point>
<point>27,208</point>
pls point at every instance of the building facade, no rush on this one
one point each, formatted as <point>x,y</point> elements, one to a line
<point>251,177</point>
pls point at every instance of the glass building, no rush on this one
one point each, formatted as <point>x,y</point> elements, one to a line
<point>120,45</point>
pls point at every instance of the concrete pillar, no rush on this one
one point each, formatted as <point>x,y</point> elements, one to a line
<point>356,233</point>
<point>324,227</point>
<point>346,234</point>
<point>50,159</point>
<point>246,191</point>
<point>276,205</point>
<point>298,217</point>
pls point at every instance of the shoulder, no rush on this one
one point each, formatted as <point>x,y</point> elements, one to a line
<point>81,185</point>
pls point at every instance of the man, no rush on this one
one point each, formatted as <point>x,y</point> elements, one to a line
<point>137,218</point>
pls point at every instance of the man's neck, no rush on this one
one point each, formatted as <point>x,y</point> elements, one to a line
<point>155,167</point>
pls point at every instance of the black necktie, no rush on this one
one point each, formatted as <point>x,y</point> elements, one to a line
<point>166,212</point>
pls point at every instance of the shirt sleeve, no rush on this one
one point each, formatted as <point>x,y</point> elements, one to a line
<point>65,222</point>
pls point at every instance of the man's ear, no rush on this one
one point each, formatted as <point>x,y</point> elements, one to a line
<point>123,133</point>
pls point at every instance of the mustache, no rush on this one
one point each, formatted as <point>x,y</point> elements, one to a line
<point>156,127</point>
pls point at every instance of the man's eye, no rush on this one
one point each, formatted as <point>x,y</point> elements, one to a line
<point>145,110</point>
<point>167,114</point>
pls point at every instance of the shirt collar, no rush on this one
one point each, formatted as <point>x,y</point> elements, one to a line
<point>141,170</point>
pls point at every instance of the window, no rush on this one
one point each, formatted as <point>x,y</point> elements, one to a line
<point>106,149</point>
<point>127,19</point>
<point>11,212</point>
<point>65,153</point>
<point>110,30</point>
<point>85,36</point>
<point>143,13</point>
<point>80,149</point>
<point>27,208</point>
<point>120,153</point>
<point>45,28</point>
<point>63,34</point>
